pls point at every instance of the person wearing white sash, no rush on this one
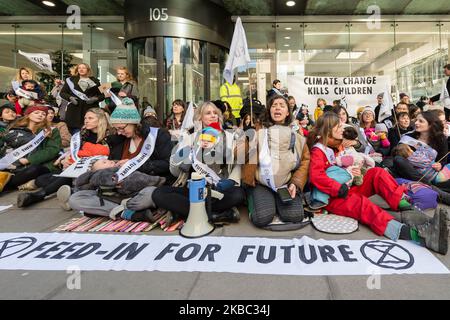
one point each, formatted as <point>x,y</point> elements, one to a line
<point>125,86</point>
<point>209,151</point>
<point>278,160</point>
<point>444,96</point>
<point>354,202</point>
<point>22,74</point>
<point>429,132</point>
<point>138,145</point>
<point>91,141</point>
<point>82,92</point>
<point>35,146</point>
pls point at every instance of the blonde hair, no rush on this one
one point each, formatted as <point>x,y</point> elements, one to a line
<point>127,72</point>
<point>199,112</point>
<point>104,127</point>
<point>323,100</point>
<point>19,74</point>
<point>88,67</point>
<point>73,70</point>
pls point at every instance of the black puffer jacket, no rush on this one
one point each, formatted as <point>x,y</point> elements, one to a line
<point>15,138</point>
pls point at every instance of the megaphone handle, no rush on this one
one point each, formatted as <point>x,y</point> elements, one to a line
<point>208,200</point>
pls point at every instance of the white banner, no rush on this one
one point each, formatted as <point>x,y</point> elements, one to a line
<point>239,55</point>
<point>41,60</point>
<point>357,91</point>
<point>299,256</point>
<point>81,166</point>
<point>22,151</point>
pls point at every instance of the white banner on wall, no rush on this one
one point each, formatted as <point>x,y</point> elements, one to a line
<point>298,256</point>
<point>357,91</point>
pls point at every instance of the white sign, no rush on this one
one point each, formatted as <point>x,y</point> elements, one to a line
<point>157,14</point>
<point>81,166</point>
<point>41,60</point>
<point>298,256</point>
<point>357,91</point>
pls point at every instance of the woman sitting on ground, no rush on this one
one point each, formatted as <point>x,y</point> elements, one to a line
<point>37,162</point>
<point>61,126</point>
<point>127,144</point>
<point>214,149</point>
<point>7,116</point>
<point>93,141</point>
<point>278,160</point>
<point>354,201</point>
<point>429,135</point>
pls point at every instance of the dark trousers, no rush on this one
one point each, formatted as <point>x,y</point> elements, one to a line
<point>22,176</point>
<point>50,184</point>
<point>176,200</point>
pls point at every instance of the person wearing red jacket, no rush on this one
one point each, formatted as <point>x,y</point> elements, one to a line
<point>325,140</point>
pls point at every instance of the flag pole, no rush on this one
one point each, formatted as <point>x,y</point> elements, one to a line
<point>251,98</point>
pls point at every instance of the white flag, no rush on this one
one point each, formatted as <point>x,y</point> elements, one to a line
<point>239,55</point>
<point>386,106</point>
<point>41,60</point>
<point>188,121</point>
<point>445,96</point>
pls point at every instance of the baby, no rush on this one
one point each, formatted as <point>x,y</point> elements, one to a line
<point>350,158</point>
<point>104,174</point>
<point>422,162</point>
<point>377,136</point>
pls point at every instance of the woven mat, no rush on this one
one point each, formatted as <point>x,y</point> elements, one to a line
<point>105,224</point>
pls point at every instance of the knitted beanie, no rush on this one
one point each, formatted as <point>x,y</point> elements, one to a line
<point>149,111</point>
<point>369,109</point>
<point>126,113</point>
<point>37,106</point>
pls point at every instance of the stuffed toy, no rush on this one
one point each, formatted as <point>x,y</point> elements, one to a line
<point>350,160</point>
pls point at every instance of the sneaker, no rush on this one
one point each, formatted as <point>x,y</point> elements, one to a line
<point>435,232</point>
<point>63,196</point>
<point>29,198</point>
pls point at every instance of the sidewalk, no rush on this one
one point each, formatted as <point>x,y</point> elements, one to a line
<point>46,216</point>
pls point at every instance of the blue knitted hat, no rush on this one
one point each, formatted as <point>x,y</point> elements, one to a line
<point>126,113</point>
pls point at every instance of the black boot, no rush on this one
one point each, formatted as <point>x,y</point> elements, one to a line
<point>411,218</point>
<point>444,197</point>
<point>27,199</point>
<point>435,232</point>
<point>231,216</point>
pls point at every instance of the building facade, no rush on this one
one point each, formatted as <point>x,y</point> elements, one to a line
<point>178,49</point>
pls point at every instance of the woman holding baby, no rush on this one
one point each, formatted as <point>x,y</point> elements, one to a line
<point>422,154</point>
<point>210,150</point>
<point>354,202</point>
<point>135,139</point>
<point>91,141</point>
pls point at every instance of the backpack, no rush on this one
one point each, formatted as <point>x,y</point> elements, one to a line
<point>422,196</point>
